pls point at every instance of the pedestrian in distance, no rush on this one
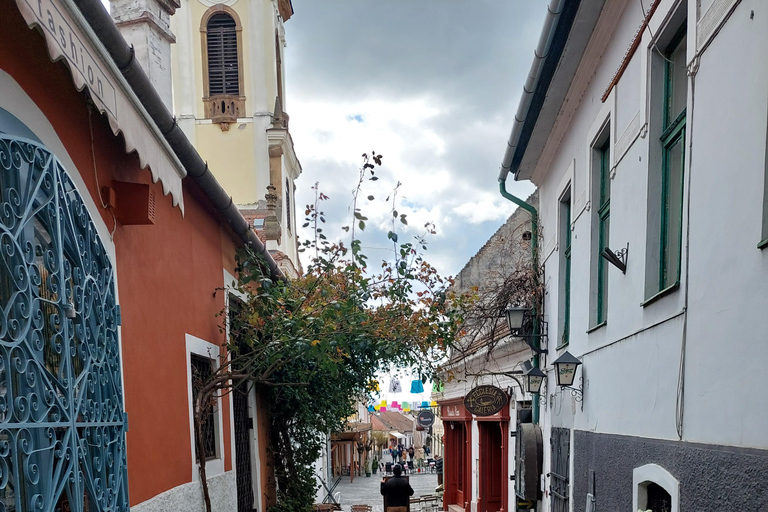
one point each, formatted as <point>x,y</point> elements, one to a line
<point>439,469</point>
<point>397,491</point>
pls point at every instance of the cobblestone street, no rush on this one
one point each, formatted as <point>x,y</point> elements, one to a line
<point>366,491</point>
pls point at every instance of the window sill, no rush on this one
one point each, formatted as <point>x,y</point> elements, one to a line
<point>562,345</point>
<point>598,326</point>
<point>663,293</point>
<point>763,244</point>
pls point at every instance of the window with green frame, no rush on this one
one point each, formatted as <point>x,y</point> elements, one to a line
<point>565,269</point>
<point>764,242</point>
<point>672,161</point>
<point>603,229</point>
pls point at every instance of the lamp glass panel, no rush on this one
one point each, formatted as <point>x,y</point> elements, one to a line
<point>534,383</point>
<point>565,373</point>
<point>515,318</point>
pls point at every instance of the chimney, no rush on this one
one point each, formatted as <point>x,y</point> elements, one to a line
<point>146,24</point>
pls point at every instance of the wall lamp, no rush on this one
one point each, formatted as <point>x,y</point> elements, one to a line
<point>518,326</point>
<point>534,379</point>
<point>565,370</point>
<point>618,259</point>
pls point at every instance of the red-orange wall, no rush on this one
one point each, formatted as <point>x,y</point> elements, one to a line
<point>167,273</point>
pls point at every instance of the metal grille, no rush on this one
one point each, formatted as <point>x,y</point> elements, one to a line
<point>202,368</point>
<point>62,424</point>
<point>243,427</point>
<point>659,500</point>
<point>223,72</point>
<point>558,481</point>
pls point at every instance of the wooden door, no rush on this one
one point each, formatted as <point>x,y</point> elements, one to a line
<point>491,478</point>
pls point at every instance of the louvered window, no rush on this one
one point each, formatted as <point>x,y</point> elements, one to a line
<point>223,73</point>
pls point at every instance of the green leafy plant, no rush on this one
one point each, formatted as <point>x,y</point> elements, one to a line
<point>314,344</point>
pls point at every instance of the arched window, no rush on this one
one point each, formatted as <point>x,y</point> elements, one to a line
<point>223,71</point>
<point>222,64</point>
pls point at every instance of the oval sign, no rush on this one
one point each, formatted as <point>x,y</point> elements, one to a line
<point>485,400</point>
<point>425,418</point>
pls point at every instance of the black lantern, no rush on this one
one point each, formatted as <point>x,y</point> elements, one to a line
<point>565,369</point>
<point>515,316</point>
<point>535,378</point>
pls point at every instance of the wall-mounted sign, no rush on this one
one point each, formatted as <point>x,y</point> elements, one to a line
<point>485,400</point>
<point>425,418</point>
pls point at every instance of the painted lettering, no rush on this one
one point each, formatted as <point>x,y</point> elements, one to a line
<point>51,24</point>
<point>100,87</point>
<point>90,74</point>
<point>40,8</point>
<point>62,37</point>
<point>72,49</point>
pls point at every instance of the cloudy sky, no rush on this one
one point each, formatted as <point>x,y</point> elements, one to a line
<point>433,86</point>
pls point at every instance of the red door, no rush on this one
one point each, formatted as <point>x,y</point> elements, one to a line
<point>491,478</point>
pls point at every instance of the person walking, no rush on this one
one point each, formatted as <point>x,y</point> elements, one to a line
<point>439,469</point>
<point>397,491</point>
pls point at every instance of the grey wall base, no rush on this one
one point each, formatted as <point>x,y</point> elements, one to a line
<point>711,477</point>
<point>189,497</point>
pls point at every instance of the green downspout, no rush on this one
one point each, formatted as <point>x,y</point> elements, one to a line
<point>535,260</point>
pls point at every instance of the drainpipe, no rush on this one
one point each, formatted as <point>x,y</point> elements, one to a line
<point>535,261</point>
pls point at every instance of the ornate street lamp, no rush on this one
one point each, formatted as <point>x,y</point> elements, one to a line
<point>535,378</point>
<point>515,316</point>
<point>565,369</point>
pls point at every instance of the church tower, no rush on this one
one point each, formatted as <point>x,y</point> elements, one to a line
<point>229,98</point>
<point>227,93</point>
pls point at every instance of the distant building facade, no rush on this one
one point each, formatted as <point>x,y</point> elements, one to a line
<point>479,451</point>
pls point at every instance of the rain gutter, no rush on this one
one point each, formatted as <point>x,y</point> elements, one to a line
<point>554,35</point>
<point>197,169</point>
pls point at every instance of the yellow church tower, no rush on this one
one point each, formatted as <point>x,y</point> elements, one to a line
<point>228,96</point>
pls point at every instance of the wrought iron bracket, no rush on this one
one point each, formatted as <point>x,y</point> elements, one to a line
<point>618,259</point>
<point>577,393</point>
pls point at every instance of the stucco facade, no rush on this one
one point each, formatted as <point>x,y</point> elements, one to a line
<point>667,373</point>
<point>163,316</point>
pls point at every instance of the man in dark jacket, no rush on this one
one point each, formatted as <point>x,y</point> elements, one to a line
<point>439,469</point>
<point>397,491</point>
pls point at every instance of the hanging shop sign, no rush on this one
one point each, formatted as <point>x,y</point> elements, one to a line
<point>485,400</point>
<point>425,418</point>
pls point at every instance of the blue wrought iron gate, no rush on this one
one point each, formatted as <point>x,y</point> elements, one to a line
<point>62,425</point>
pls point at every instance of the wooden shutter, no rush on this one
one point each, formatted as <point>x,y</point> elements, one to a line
<point>223,72</point>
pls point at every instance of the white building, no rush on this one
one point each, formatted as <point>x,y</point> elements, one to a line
<point>646,131</point>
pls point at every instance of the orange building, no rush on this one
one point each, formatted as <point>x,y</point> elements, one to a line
<point>114,238</point>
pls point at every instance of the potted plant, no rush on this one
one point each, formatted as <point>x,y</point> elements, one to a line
<point>368,467</point>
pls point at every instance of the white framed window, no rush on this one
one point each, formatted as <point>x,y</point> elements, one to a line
<point>654,488</point>
<point>200,352</point>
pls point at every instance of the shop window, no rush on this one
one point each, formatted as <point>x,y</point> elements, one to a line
<point>201,369</point>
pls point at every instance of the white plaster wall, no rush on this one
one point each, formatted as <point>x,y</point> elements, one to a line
<point>189,497</point>
<point>728,324</point>
<point>631,364</point>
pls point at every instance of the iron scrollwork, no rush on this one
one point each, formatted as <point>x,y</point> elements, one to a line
<point>62,425</point>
